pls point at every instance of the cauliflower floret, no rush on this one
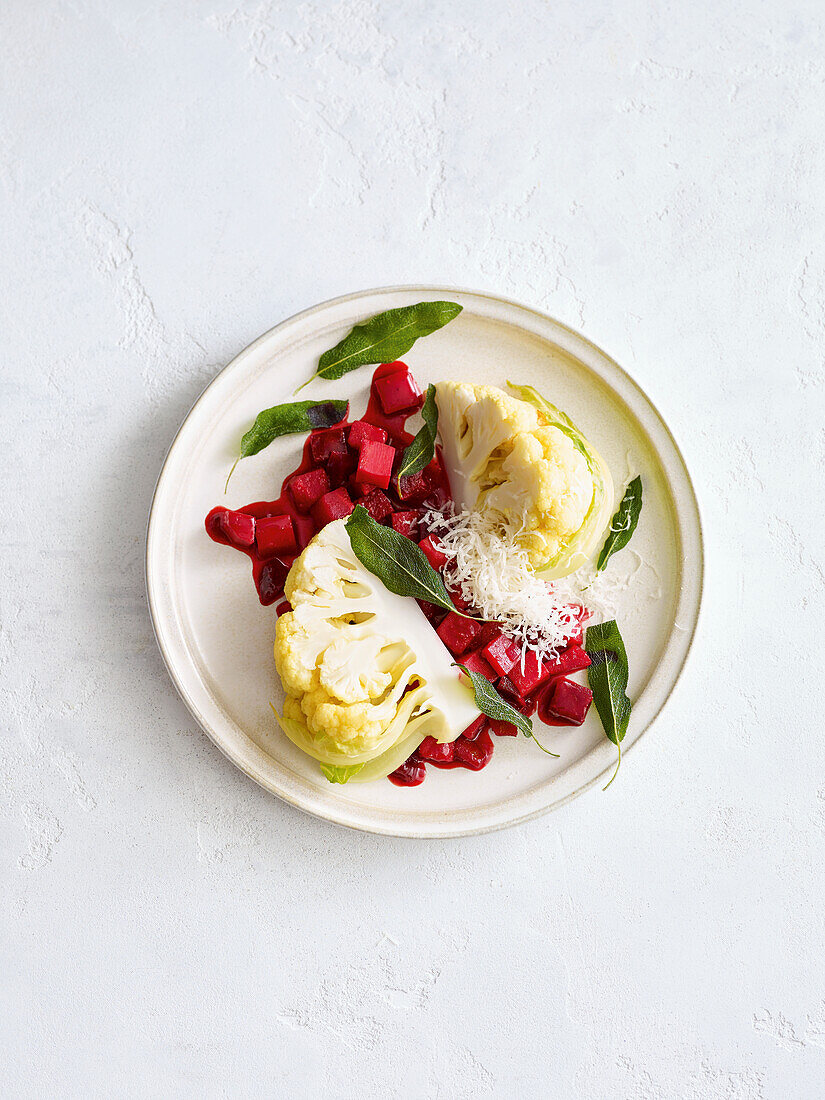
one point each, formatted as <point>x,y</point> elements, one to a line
<point>360,666</point>
<point>519,461</point>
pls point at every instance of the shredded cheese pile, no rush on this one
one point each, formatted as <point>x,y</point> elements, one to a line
<point>493,574</point>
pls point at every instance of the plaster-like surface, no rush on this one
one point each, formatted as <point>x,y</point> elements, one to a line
<point>174,179</point>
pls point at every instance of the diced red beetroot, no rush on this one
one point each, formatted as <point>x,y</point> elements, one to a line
<point>412,772</point>
<point>459,601</point>
<point>502,653</point>
<point>271,580</point>
<point>308,487</point>
<point>524,704</point>
<point>572,659</point>
<point>458,633</point>
<point>405,523</point>
<point>332,441</point>
<point>503,729</point>
<point>361,432</point>
<point>238,527</point>
<point>378,505</point>
<point>431,750</point>
<point>397,391</point>
<point>283,607</point>
<point>375,464</point>
<point>435,557</point>
<point>275,535</point>
<point>435,614</point>
<point>476,663</point>
<point>530,673</point>
<point>474,754</point>
<point>474,728</point>
<point>332,506</point>
<point>413,488</point>
<point>339,467</point>
<point>565,699</point>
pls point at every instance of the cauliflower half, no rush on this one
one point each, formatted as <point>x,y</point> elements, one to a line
<point>362,670</point>
<point>521,461</point>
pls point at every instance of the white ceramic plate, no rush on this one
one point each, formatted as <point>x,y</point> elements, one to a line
<point>216,638</point>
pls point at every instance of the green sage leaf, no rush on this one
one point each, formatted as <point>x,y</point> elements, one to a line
<point>420,452</point>
<point>607,676</point>
<point>384,338</point>
<point>398,562</point>
<point>296,416</point>
<point>623,523</point>
<point>340,774</point>
<point>489,702</point>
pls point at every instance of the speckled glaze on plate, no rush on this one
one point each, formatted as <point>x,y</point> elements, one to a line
<point>216,639</point>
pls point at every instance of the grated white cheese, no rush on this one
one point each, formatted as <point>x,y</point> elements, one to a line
<point>493,574</point>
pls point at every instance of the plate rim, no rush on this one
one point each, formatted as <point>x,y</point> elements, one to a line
<point>329,813</point>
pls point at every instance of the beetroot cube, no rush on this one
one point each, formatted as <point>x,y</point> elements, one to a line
<point>308,487</point>
<point>524,704</point>
<point>271,580</point>
<point>405,523</point>
<point>458,633</point>
<point>530,673</point>
<point>435,557</point>
<point>476,663</point>
<point>275,535</point>
<point>238,527</point>
<point>502,653</point>
<point>474,754</point>
<point>339,467</point>
<point>435,614</point>
<point>361,432</point>
<point>375,464</point>
<point>436,753</point>
<point>503,729</point>
<point>567,700</point>
<point>332,506</point>
<point>326,443</point>
<point>397,391</point>
<point>459,601</point>
<point>572,659</point>
<point>474,728</point>
<point>378,505</point>
<point>412,487</point>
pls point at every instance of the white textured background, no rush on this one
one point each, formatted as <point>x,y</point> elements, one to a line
<point>175,178</point>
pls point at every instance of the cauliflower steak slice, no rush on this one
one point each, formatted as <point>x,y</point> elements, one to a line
<point>361,667</point>
<point>523,463</point>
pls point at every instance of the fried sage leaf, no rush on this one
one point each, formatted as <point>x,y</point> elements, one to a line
<point>420,452</point>
<point>607,676</point>
<point>623,523</point>
<point>398,562</point>
<point>296,416</point>
<point>384,338</point>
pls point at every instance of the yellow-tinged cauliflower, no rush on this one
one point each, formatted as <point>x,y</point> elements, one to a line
<point>363,673</point>
<point>521,460</point>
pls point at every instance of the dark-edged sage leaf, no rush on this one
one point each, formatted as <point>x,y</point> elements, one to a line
<point>340,774</point>
<point>296,416</point>
<point>623,523</point>
<point>398,562</point>
<point>607,676</point>
<point>489,702</point>
<point>420,452</point>
<point>384,338</point>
